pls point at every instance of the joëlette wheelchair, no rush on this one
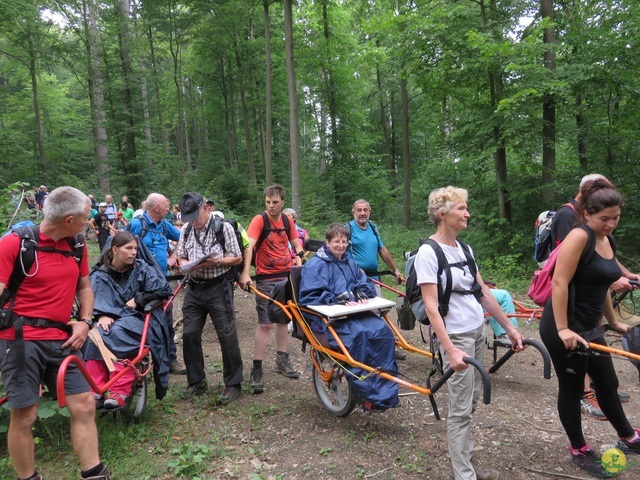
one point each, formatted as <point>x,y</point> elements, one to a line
<point>136,403</point>
<point>521,312</point>
<point>329,375</point>
<point>141,365</point>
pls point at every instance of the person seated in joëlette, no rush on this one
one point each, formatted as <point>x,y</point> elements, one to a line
<point>330,278</point>
<point>123,285</point>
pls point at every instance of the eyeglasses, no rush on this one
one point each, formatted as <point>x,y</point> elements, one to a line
<point>339,242</point>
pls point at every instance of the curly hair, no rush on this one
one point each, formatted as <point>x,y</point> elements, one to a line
<point>442,199</point>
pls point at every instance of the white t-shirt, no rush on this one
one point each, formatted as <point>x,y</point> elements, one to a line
<point>465,313</point>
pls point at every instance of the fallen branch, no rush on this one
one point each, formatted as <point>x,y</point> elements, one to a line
<point>381,471</point>
<point>553,474</point>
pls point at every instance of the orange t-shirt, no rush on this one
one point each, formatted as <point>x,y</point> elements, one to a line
<point>273,254</point>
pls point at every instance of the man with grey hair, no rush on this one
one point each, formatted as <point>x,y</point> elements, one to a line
<point>36,334</point>
<point>155,233</point>
<point>365,244</point>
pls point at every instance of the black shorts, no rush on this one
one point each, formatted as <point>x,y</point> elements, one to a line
<point>43,362</point>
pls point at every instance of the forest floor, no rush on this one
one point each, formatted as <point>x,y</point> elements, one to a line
<point>284,433</point>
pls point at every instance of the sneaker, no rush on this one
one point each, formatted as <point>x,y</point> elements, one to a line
<point>115,401</point>
<point>255,380</point>
<point>586,459</point>
<point>630,447</point>
<point>105,474</point>
<point>177,368</point>
<point>487,474</point>
<point>502,340</point>
<point>195,389</point>
<point>624,396</point>
<point>99,399</point>
<point>400,355</point>
<point>230,394</point>
<point>589,405</point>
<point>284,367</point>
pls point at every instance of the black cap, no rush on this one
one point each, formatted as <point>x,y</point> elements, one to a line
<point>190,204</point>
<point>211,202</point>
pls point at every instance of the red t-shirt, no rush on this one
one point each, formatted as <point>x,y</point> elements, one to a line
<point>49,289</point>
<point>273,255</point>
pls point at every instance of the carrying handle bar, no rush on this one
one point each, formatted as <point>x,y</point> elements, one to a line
<point>486,381</point>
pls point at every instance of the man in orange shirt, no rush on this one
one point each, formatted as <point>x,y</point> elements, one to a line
<point>269,236</point>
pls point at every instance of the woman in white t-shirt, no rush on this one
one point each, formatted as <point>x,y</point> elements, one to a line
<point>461,333</point>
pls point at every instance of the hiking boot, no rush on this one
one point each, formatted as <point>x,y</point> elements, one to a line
<point>589,405</point>
<point>114,401</point>
<point>177,368</point>
<point>105,474</point>
<point>487,474</point>
<point>255,380</point>
<point>624,396</point>
<point>587,460</point>
<point>284,367</point>
<point>630,447</point>
<point>400,355</point>
<point>195,389</point>
<point>230,394</point>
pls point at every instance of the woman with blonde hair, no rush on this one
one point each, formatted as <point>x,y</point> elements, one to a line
<point>458,326</point>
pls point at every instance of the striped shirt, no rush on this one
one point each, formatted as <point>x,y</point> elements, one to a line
<point>202,242</point>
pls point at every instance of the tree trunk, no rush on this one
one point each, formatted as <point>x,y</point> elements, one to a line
<point>156,84</point>
<point>268,140</point>
<point>245,117</point>
<point>496,89</point>
<point>548,108</point>
<point>582,139</point>
<point>42,158</point>
<point>131,179</point>
<point>294,135</point>
<point>100,145</point>
<point>406,157</point>
<point>330,82</point>
<point>174,48</point>
<point>385,128</point>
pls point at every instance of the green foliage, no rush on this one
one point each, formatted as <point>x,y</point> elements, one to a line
<point>190,461</point>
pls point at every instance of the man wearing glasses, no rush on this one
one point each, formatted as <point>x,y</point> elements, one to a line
<point>155,233</point>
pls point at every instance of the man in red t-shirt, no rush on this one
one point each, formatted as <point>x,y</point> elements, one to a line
<point>44,302</point>
<point>273,262</point>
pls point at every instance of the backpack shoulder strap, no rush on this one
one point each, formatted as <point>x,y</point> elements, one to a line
<point>443,292</point>
<point>218,229</point>
<point>471,262</point>
<point>375,229</point>
<point>29,237</point>
<point>144,226</point>
<point>266,230</point>
<point>287,225</point>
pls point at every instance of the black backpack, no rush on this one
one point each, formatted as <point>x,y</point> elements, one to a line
<point>267,229</point>
<point>218,229</point>
<point>29,237</point>
<point>145,226</point>
<point>414,293</point>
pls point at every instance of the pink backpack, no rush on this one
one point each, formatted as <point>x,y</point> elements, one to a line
<point>540,288</point>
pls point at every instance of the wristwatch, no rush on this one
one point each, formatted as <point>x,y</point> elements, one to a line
<point>90,322</point>
<point>300,254</point>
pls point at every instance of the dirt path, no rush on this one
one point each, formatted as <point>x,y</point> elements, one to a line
<point>285,432</point>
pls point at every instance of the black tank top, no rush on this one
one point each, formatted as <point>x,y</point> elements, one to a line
<point>591,283</point>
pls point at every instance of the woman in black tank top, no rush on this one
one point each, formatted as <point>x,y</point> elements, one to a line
<point>586,266</point>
